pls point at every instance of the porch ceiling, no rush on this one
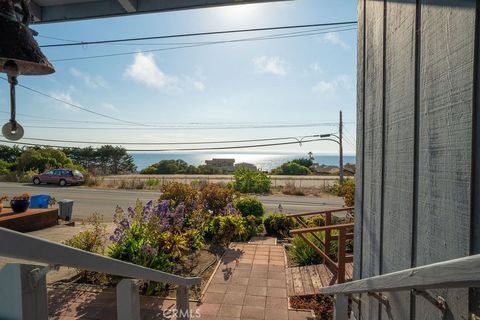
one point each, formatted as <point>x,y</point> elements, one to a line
<point>64,10</point>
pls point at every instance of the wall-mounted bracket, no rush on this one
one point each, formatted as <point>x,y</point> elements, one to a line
<point>438,302</point>
<point>380,297</point>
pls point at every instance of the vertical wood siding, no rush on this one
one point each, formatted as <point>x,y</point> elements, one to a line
<point>399,146</point>
<point>445,146</point>
<point>372,161</point>
<point>414,179</point>
<point>357,270</point>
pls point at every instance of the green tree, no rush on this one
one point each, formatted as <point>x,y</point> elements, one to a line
<point>86,157</point>
<point>114,160</point>
<point>170,167</point>
<point>303,162</point>
<point>10,154</point>
<point>292,168</point>
<point>43,159</point>
<point>4,167</point>
<point>247,180</point>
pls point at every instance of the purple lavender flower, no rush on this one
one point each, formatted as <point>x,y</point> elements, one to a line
<point>229,210</point>
<point>131,212</point>
<point>148,249</point>
<point>125,223</point>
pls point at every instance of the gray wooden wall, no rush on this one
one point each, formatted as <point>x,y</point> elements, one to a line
<point>416,147</point>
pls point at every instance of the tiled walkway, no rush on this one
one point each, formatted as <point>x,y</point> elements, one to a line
<point>249,284</point>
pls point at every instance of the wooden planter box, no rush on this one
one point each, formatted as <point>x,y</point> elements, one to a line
<point>30,220</point>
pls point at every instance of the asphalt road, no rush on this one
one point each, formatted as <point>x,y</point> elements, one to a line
<point>104,201</point>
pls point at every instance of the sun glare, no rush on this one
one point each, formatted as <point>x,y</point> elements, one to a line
<point>242,13</point>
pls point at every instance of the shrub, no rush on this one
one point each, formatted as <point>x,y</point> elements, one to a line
<point>130,184</point>
<point>27,176</point>
<point>232,227</point>
<point>215,198</point>
<point>154,236</point>
<point>338,189</point>
<point>169,167</point>
<point>4,167</point>
<point>91,240</point>
<point>278,225</point>
<point>303,162</point>
<point>178,193</point>
<point>317,221</point>
<point>302,253</point>
<point>249,206</point>
<point>347,191</point>
<point>349,195</point>
<point>152,183</point>
<point>149,170</point>
<point>247,180</point>
<point>92,181</point>
<point>292,168</point>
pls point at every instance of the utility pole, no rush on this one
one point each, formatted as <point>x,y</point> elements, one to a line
<point>340,130</point>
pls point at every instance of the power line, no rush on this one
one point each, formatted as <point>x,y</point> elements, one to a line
<point>184,149</point>
<point>82,43</point>
<point>331,29</point>
<point>75,105</point>
<point>171,143</point>
<point>186,126</point>
<point>189,128</point>
<point>200,44</point>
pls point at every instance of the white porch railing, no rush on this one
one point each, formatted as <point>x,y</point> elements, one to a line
<point>23,291</point>
<point>456,273</point>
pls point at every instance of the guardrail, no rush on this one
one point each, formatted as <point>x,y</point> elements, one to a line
<point>456,273</point>
<point>343,235</point>
<point>21,301</point>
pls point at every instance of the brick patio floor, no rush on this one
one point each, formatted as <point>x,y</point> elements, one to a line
<point>249,284</point>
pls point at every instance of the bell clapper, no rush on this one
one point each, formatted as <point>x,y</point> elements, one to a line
<point>12,130</point>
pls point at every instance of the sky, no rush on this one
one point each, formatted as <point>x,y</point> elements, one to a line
<point>213,92</point>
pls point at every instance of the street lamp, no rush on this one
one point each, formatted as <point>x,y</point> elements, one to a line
<point>338,140</point>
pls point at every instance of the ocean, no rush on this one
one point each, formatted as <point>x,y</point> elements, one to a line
<point>263,161</point>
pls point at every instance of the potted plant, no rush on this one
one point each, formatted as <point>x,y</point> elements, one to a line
<point>2,199</point>
<point>20,203</point>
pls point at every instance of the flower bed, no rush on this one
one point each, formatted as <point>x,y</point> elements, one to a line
<point>184,235</point>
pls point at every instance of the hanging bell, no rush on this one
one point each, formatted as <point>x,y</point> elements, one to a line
<point>16,41</point>
<point>19,55</point>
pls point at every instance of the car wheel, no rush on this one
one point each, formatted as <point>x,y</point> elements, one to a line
<point>36,181</point>
<point>62,182</point>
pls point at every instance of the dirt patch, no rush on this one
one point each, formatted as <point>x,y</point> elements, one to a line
<point>322,305</point>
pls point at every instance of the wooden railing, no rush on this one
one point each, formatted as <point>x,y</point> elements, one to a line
<point>456,273</point>
<point>23,290</point>
<point>344,233</point>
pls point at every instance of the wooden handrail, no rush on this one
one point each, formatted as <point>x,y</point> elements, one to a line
<point>21,246</point>
<point>456,273</point>
<point>322,228</point>
<point>302,214</point>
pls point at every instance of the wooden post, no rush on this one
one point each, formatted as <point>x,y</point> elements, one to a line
<point>328,235</point>
<point>341,307</point>
<point>23,292</point>
<point>182,308</point>
<point>342,235</point>
<point>128,300</point>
